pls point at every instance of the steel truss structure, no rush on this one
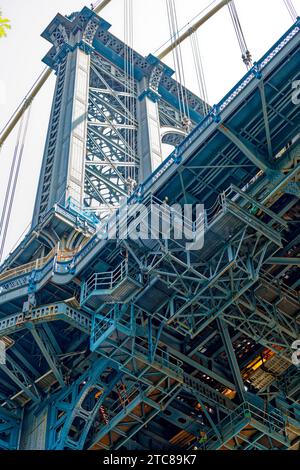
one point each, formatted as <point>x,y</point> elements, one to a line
<point>145,344</point>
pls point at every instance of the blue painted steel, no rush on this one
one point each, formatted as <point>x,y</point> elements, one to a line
<point>141,360</point>
<point>80,401</point>
<point>10,425</point>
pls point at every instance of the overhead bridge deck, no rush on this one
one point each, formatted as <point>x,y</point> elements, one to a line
<point>152,326</point>
<point>212,157</point>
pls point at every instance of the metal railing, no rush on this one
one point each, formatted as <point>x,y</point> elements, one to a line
<point>119,406</point>
<point>106,280</point>
<point>273,422</point>
<point>161,357</point>
<point>48,312</point>
<point>233,94</point>
<point>27,268</point>
<point>60,256</point>
<point>173,157</point>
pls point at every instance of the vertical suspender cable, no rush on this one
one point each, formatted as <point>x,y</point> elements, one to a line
<point>17,164</point>
<point>291,9</point>
<point>181,65</point>
<point>246,55</point>
<point>178,66</point>
<point>172,34</point>
<point>199,71</point>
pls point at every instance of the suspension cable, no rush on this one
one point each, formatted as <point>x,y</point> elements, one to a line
<point>174,60</point>
<point>194,27</point>
<point>199,71</point>
<point>186,118</point>
<point>17,115</point>
<point>9,200</point>
<point>291,9</point>
<point>10,177</point>
<point>39,83</point>
<point>184,27</point>
<point>178,66</point>
<point>99,5</point>
<point>246,55</point>
<point>173,33</point>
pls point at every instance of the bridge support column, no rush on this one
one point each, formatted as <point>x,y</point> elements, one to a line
<point>149,141</point>
<point>34,430</point>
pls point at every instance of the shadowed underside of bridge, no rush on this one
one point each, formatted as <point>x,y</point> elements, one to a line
<point>143,344</point>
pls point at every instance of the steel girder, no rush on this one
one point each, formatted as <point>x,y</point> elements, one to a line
<point>274,325</point>
<point>26,378</point>
<point>111,159</point>
<point>124,334</point>
<point>137,352</point>
<point>10,424</point>
<point>204,288</point>
<point>183,276</point>
<point>20,378</point>
<point>115,333</point>
<point>151,380</point>
<point>249,428</point>
<point>74,410</point>
<point>45,343</point>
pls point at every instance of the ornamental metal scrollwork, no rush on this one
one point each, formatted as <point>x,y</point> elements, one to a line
<point>59,36</point>
<point>90,31</point>
<point>155,77</point>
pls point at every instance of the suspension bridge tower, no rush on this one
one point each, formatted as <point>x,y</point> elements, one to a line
<point>141,344</point>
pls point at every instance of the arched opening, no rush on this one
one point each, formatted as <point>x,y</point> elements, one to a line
<point>170,138</point>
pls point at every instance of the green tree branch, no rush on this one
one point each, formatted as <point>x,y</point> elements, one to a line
<point>4,25</point>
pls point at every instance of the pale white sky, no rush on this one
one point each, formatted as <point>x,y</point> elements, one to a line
<point>263,21</point>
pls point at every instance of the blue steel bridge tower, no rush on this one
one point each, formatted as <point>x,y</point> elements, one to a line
<point>111,112</point>
<point>122,344</point>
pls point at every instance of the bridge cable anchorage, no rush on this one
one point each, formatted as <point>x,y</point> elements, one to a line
<point>199,71</point>
<point>291,9</point>
<point>12,183</point>
<point>246,55</point>
<point>178,66</point>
